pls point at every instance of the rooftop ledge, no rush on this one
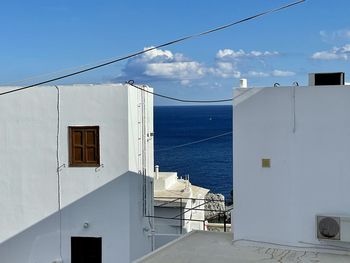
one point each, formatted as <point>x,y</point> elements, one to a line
<point>242,94</point>
<point>204,246</point>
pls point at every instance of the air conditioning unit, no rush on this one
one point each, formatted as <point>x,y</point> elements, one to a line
<point>334,228</point>
<point>326,79</point>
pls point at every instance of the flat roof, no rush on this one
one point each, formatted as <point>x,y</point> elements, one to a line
<point>217,247</point>
<point>179,190</point>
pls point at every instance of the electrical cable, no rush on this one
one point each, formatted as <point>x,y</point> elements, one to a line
<point>53,73</point>
<point>131,83</point>
<point>194,142</point>
<point>155,47</point>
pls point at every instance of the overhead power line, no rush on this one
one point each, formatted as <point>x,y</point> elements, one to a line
<point>194,142</point>
<point>156,47</point>
<point>47,75</point>
<point>131,83</point>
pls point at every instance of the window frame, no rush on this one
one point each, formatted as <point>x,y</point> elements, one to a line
<point>72,163</point>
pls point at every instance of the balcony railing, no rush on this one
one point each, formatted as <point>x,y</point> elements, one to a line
<point>184,215</point>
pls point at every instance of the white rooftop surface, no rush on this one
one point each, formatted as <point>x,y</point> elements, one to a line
<point>168,187</point>
<point>204,246</point>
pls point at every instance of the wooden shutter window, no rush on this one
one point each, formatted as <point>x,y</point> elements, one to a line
<point>84,147</point>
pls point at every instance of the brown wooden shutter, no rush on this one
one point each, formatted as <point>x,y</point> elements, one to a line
<point>84,146</point>
<point>91,146</point>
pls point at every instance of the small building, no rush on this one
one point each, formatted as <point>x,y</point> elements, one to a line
<point>76,174</point>
<point>178,206</point>
<point>291,167</point>
<point>291,179</point>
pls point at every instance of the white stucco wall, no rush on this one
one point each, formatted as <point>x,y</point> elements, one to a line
<point>28,159</point>
<point>309,172</point>
<point>107,210</point>
<point>29,182</point>
<point>170,229</point>
<point>105,106</point>
<point>135,100</point>
<point>141,239</point>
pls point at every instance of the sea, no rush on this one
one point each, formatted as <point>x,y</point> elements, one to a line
<point>181,145</point>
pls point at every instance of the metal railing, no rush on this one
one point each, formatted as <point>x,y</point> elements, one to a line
<point>219,215</point>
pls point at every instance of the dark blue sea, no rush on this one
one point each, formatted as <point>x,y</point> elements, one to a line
<point>208,163</point>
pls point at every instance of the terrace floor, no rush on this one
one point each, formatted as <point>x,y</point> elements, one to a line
<point>205,246</point>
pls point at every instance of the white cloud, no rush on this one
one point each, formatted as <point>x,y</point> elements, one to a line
<point>255,74</point>
<point>335,35</point>
<point>282,73</point>
<point>185,82</point>
<point>164,64</point>
<point>238,63</point>
<point>157,54</point>
<point>273,73</point>
<point>225,70</point>
<point>327,55</point>
<point>175,70</point>
<point>232,54</point>
<point>159,64</point>
<point>335,53</point>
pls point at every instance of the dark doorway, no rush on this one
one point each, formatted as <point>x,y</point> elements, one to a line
<point>86,249</point>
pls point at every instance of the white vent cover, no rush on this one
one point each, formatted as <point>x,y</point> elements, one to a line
<point>333,228</point>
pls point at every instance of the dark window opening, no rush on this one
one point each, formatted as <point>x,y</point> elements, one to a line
<point>86,249</point>
<point>84,148</point>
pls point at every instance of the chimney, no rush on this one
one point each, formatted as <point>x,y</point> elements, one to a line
<point>243,83</point>
<point>156,170</point>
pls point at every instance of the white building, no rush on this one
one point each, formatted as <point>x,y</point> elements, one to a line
<point>291,163</point>
<point>291,148</point>
<point>76,174</point>
<point>178,207</point>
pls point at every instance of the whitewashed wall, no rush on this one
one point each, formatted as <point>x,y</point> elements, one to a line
<point>110,197</point>
<point>310,165</point>
<point>170,229</point>
<point>141,239</point>
<point>28,159</point>
<point>105,106</point>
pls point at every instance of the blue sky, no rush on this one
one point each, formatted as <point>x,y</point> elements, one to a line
<point>40,37</point>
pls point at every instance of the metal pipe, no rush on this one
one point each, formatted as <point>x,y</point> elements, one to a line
<point>181,216</point>
<point>224,222</point>
<point>156,172</point>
